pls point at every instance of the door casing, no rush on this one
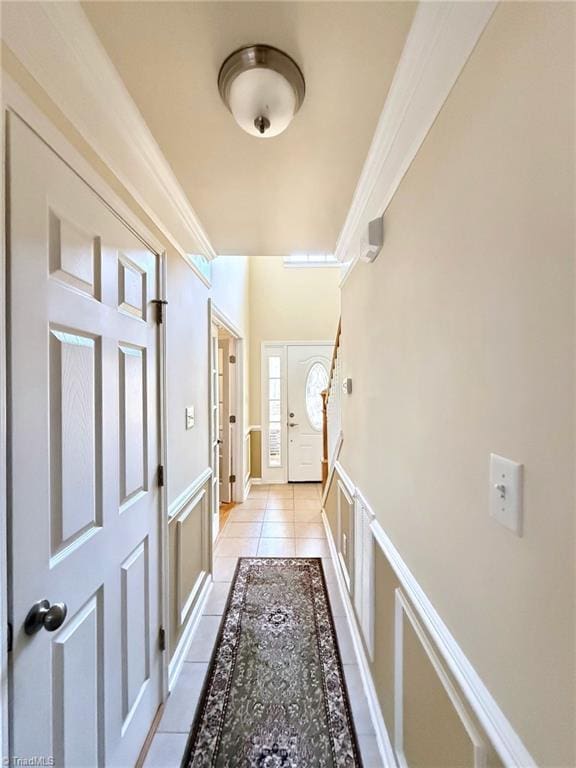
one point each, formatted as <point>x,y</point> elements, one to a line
<point>217,317</point>
<point>280,474</point>
<point>15,100</point>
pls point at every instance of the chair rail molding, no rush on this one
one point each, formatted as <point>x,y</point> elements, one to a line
<point>493,721</point>
<point>439,43</point>
<point>497,727</point>
<point>58,46</point>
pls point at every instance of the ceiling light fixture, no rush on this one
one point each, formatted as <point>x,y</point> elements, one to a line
<point>263,88</point>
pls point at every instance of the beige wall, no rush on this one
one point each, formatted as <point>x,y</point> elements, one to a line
<point>460,342</point>
<point>288,305</point>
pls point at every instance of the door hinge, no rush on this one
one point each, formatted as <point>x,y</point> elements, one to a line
<point>160,304</point>
<point>232,479</point>
<point>161,475</point>
<point>232,419</point>
<point>9,637</point>
<point>232,358</point>
<point>162,639</point>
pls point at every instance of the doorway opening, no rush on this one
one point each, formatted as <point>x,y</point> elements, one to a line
<point>226,417</point>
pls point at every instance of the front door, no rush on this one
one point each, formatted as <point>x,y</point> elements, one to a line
<point>307,377</point>
<point>84,446</point>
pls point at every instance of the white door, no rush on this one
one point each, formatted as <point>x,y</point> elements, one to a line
<point>307,377</point>
<point>224,413</point>
<point>215,429</point>
<point>84,452</point>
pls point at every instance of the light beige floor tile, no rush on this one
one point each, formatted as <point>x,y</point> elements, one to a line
<point>224,568</point>
<point>281,492</point>
<point>276,548</point>
<point>239,547</point>
<point>242,530</point>
<point>285,503</point>
<point>216,601</point>
<point>259,503</point>
<point>204,639</point>
<point>181,705</point>
<point>257,493</point>
<point>166,750</point>
<point>308,504</point>
<point>309,531</point>
<point>312,548</point>
<point>306,493</point>
<point>279,516</point>
<point>246,516</point>
<point>306,515</point>
<point>278,530</point>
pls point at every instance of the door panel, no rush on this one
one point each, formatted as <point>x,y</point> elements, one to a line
<point>84,445</point>
<point>307,370</point>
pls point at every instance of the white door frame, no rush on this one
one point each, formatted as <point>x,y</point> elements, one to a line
<point>218,317</point>
<point>15,100</point>
<point>277,474</point>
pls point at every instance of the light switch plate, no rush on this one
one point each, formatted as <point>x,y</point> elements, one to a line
<point>506,492</point>
<point>190,417</point>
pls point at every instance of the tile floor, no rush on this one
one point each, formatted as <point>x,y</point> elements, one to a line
<point>275,521</point>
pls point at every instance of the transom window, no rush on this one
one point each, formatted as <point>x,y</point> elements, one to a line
<point>311,260</point>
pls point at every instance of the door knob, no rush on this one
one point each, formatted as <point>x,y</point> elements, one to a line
<point>42,614</point>
<point>292,424</point>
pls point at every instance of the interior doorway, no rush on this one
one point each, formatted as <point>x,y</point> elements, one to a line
<point>226,416</point>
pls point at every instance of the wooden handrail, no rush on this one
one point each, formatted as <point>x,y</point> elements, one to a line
<point>325,395</point>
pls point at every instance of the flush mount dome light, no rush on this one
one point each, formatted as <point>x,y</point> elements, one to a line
<point>263,88</point>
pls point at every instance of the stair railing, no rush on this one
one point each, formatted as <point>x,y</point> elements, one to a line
<point>331,412</point>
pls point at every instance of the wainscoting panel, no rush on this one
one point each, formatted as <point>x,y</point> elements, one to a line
<point>427,703</point>
<point>189,543</point>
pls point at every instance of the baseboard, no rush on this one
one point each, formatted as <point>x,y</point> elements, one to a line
<point>383,739</point>
<point>177,660</point>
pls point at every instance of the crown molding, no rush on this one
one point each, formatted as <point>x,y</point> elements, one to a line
<point>58,46</point>
<point>439,43</point>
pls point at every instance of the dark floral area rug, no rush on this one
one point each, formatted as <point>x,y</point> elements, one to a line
<point>275,695</point>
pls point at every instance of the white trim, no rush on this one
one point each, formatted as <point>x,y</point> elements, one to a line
<point>439,43</point>
<point>332,467</point>
<point>401,607</point>
<point>498,729</point>
<point>364,578</point>
<point>219,317</point>
<point>342,491</point>
<point>59,47</point>
<point>345,477</point>
<point>382,737</point>
<point>185,641</point>
<point>4,742</point>
<point>176,506</point>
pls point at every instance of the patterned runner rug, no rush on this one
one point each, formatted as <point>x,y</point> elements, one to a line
<point>275,695</point>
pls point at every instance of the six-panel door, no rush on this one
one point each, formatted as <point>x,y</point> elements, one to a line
<point>84,440</point>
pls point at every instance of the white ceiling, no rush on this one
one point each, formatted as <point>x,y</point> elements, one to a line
<point>259,197</point>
